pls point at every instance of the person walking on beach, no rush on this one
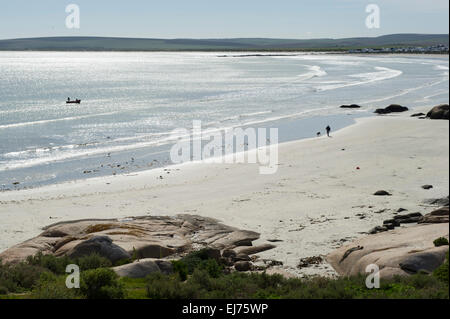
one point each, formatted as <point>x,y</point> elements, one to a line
<point>328,130</point>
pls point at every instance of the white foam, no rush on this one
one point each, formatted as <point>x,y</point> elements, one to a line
<point>72,118</point>
<point>366,78</point>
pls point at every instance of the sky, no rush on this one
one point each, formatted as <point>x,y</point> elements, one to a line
<point>293,19</point>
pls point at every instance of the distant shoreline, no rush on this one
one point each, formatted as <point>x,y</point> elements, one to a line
<point>429,42</point>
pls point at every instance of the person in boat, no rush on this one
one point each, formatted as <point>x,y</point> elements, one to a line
<point>68,99</point>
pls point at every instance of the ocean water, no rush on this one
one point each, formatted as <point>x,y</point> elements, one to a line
<point>131,103</point>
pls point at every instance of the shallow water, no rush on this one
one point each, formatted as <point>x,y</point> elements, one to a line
<point>131,102</point>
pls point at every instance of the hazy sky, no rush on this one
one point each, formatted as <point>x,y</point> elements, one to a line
<point>221,18</point>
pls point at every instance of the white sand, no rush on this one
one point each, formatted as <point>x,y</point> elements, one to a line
<point>310,204</point>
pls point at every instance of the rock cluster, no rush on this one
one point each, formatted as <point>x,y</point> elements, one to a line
<point>398,220</point>
<point>140,237</point>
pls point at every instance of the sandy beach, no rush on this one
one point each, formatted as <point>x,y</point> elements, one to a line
<point>316,201</point>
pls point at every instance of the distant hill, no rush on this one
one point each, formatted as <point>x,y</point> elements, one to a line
<point>238,44</point>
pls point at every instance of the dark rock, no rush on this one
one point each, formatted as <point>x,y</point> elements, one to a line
<point>418,114</point>
<point>212,253</point>
<point>378,229</point>
<point>393,108</point>
<point>352,106</point>
<point>243,266</point>
<point>308,261</point>
<point>410,220</point>
<point>101,245</point>
<point>399,217</point>
<point>401,210</point>
<point>227,261</point>
<point>427,187</point>
<point>242,257</point>
<point>394,222</point>
<point>382,193</point>
<point>166,267</point>
<point>389,226</point>
<point>414,215</point>
<point>229,253</point>
<point>349,251</point>
<point>272,263</point>
<point>440,112</point>
<point>437,201</point>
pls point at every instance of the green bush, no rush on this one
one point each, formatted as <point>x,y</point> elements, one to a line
<point>56,265</point>
<point>160,286</point>
<point>101,283</point>
<point>93,261</point>
<point>197,260</point>
<point>19,277</point>
<point>181,269</point>
<point>262,286</point>
<point>442,272</point>
<point>441,241</point>
<point>51,286</point>
<point>3,290</point>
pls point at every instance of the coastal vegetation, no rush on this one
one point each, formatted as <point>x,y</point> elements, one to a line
<point>196,276</point>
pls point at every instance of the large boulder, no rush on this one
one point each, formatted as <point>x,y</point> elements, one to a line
<point>393,108</point>
<point>424,261</point>
<point>397,252</point>
<point>243,266</point>
<point>440,112</point>
<point>143,268</point>
<point>100,245</point>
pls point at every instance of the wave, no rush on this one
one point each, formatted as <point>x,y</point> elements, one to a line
<point>314,72</point>
<point>72,118</point>
<point>406,91</point>
<point>382,75</point>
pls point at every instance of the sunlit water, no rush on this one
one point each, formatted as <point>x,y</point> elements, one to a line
<point>131,102</point>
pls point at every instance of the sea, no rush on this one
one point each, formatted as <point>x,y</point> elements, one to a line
<point>133,102</point>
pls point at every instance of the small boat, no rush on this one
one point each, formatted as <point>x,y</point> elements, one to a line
<point>73,102</point>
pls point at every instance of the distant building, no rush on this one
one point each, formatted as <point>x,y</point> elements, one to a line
<point>440,48</point>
